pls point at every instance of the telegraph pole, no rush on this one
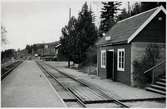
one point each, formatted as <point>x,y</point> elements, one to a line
<point>129,9</point>
<point>69,13</point>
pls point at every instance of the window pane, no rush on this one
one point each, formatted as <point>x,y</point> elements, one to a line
<point>122,65</point>
<point>119,65</point>
<point>119,59</point>
<point>119,54</point>
<point>104,59</point>
<point>123,59</point>
<point>122,54</point>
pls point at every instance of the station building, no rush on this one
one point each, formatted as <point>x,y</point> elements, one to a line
<point>126,42</point>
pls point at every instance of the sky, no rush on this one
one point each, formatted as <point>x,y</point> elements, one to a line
<point>40,21</point>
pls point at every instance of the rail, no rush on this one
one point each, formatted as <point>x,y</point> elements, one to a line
<point>10,69</point>
<point>88,85</point>
<point>152,68</point>
<point>78,99</point>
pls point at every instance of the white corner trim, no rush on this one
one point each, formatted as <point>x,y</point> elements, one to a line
<point>145,23</point>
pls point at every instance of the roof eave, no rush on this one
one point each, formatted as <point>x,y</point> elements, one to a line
<point>113,43</point>
<point>145,23</point>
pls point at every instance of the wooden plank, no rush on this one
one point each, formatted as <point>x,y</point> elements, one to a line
<point>98,96</point>
<point>88,95</point>
<point>92,95</point>
<point>76,92</point>
<point>66,96</point>
<point>83,92</point>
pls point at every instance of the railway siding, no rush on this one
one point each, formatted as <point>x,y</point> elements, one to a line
<point>6,69</point>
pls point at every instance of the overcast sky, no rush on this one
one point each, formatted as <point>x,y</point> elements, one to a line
<point>38,21</point>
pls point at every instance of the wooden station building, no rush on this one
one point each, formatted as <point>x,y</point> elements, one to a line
<point>127,40</point>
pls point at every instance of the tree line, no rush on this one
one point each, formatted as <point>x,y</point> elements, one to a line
<point>8,54</point>
<point>80,34</point>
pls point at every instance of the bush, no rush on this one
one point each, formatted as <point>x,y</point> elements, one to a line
<point>149,60</point>
<point>139,77</point>
<point>91,57</point>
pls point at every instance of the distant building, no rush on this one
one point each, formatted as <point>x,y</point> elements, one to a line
<point>48,51</point>
<point>126,42</point>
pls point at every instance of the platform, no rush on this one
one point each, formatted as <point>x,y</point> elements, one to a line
<point>116,90</point>
<point>27,86</point>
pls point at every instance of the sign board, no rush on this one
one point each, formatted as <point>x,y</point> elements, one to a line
<point>107,37</point>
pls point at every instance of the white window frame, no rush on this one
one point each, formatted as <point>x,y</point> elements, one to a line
<point>103,62</point>
<point>122,67</point>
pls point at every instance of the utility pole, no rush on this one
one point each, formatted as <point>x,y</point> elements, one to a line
<point>69,13</point>
<point>129,9</point>
<point>68,21</point>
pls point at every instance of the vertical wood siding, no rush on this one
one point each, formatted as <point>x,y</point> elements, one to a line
<point>121,76</point>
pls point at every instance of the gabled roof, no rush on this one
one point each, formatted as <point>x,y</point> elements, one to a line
<point>126,30</point>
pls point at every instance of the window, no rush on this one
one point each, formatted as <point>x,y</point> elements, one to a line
<point>103,59</point>
<point>121,60</point>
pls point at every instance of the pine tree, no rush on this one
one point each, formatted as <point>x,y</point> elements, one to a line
<point>3,35</point>
<point>86,33</point>
<point>148,5</point>
<point>136,9</point>
<point>144,6</point>
<point>108,15</point>
<point>78,36</point>
<point>29,49</point>
<point>68,39</point>
<point>124,14</point>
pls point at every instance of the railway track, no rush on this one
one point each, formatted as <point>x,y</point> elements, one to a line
<point>9,68</point>
<point>80,90</point>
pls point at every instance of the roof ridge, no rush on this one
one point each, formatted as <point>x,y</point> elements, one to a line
<point>138,14</point>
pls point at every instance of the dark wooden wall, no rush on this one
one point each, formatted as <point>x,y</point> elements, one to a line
<point>155,31</point>
<point>121,76</point>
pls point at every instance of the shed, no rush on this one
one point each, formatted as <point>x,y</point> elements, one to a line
<point>126,42</point>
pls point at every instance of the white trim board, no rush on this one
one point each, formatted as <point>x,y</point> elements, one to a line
<point>145,23</point>
<point>137,15</point>
<point>110,50</point>
<point>101,55</point>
